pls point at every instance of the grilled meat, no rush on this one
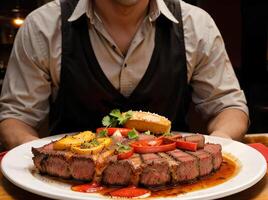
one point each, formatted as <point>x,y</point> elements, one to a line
<point>148,170</point>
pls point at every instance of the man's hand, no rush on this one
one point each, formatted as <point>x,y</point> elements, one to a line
<point>14,132</point>
<point>230,123</point>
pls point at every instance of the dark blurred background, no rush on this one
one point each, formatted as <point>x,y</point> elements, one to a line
<point>243,25</point>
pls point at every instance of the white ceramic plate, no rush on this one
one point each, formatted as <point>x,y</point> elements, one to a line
<point>17,167</point>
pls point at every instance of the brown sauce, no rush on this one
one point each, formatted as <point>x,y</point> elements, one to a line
<point>229,168</point>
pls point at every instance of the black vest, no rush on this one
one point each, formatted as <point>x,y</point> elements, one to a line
<point>86,95</point>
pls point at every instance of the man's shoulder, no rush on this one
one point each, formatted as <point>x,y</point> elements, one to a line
<point>46,15</point>
<point>194,14</point>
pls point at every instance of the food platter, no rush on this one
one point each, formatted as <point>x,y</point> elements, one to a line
<point>17,166</point>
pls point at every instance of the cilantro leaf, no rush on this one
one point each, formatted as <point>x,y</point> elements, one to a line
<point>115,113</point>
<point>115,118</point>
<point>103,133</point>
<point>113,122</point>
<point>124,117</point>
<point>106,121</point>
<point>132,134</point>
<point>122,148</point>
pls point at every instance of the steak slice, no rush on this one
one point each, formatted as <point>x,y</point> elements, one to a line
<point>205,163</point>
<point>188,168</point>
<point>215,151</point>
<point>122,172</point>
<point>196,138</point>
<point>63,164</point>
<point>175,168</point>
<point>155,171</point>
<point>81,167</point>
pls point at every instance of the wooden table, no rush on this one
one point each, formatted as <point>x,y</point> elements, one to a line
<point>259,191</point>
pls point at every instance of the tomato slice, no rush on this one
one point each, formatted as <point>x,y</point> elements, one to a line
<point>155,148</point>
<point>142,143</point>
<point>131,192</point>
<point>191,146</point>
<point>110,131</point>
<point>125,155</point>
<point>88,187</point>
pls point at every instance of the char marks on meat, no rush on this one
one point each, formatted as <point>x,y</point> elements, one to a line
<point>148,170</point>
<point>123,172</point>
<point>63,164</point>
<point>215,151</point>
<point>205,163</point>
<point>197,138</point>
<point>188,165</point>
<point>155,170</point>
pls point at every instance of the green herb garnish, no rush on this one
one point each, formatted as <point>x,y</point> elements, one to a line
<point>115,118</point>
<point>103,133</point>
<point>133,134</point>
<point>92,143</point>
<point>122,148</point>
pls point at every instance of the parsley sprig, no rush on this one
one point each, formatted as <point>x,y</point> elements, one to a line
<point>116,118</point>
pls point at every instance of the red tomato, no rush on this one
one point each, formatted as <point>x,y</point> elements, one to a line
<point>153,149</point>
<point>89,187</point>
<point>110,131</point>
<point>130,192</point>
<point>125,155</point>
<point>142,143</point>
<point>191,146</point>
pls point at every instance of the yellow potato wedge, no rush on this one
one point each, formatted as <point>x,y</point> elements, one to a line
<point>66,142</point>
<point>90,151</point>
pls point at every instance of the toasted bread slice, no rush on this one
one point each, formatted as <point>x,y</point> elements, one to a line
<point>146,121</point>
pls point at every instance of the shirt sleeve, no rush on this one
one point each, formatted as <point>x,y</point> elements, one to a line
<point>27,86</point>
<point>214,83</point>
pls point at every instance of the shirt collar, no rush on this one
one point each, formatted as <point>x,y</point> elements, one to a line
<point>157,7</point>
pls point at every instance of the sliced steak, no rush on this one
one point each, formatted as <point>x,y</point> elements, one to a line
<point>155,171</point>
<point>215,151</point>
<point>63,164</point>
<point>136,163</point>
<point>196,138</point>
<point>101,162</point>
<point>149,170</point>
<point>175,168</point>
<point>205,161</point>
<point>188,168</point>
<point>122,172</point>
<point>56,165</point>
<point>81,167</point>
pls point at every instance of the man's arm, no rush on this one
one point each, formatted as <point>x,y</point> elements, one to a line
<point>14,132</point>
<point>215,89</point>
<point>24,101</point>
<point>230,123</point>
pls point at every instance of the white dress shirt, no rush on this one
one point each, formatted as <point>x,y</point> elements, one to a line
<point>33,72</point>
